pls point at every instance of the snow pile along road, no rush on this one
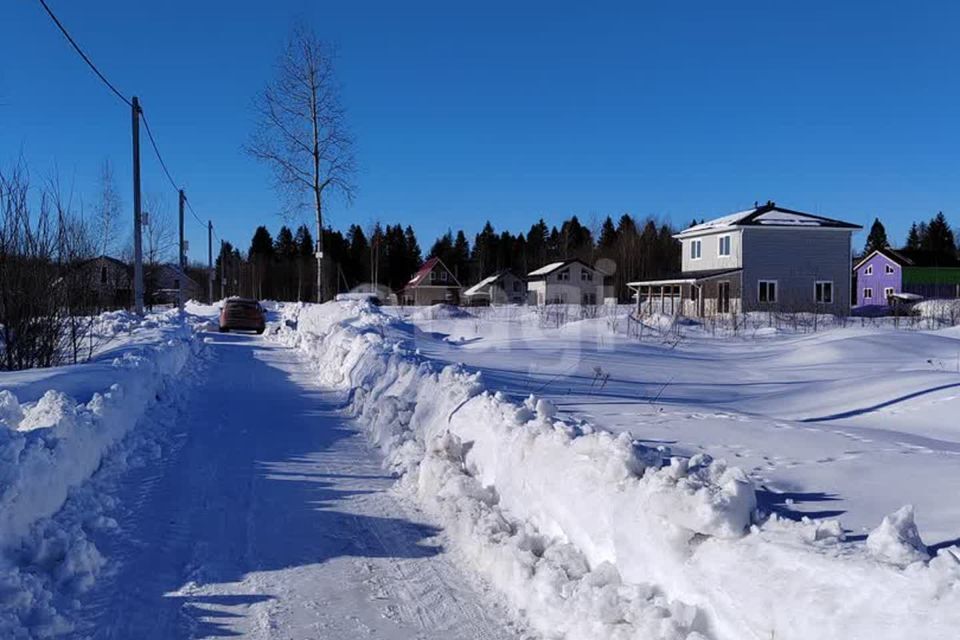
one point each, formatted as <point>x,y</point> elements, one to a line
<point>52,446</point>
<point>592,535</point>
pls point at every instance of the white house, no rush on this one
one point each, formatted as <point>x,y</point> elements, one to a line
<point>568,282</point>
<point>503,287</point>
<point>765,258</point>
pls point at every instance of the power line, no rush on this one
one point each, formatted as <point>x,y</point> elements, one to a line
<point>156,150</point>
<point>83,55</point>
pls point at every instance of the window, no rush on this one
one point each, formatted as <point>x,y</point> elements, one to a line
<point>103,275</point>
<point>586,276</point>
<point>516,285</point>
<point>868,271</point>
<point>695,249</point>
<point>443,276</point>
<point>767,290</point>
<point>868,293</point>
<point>887,292</point>
<point>724,246</point>
<point>888,269</point>
<point>176,283</point>
<point>564,275</point>
<point>823,292</point>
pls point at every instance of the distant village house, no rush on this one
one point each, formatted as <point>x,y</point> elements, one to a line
<point>432,284</point>
<point>503,287</point>
<point>567,282</point>
<point>764,258</point>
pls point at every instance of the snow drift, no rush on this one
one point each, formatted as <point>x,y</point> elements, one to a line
<point>592,535</point>
<point>50,449</point>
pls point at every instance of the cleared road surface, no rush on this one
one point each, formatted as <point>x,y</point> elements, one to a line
<point>270,517</point>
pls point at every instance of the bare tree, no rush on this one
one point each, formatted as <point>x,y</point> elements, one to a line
<point>301,131</point>
<point>108,211</point>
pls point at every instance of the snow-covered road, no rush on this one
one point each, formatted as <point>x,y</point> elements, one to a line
<point>271,517</point>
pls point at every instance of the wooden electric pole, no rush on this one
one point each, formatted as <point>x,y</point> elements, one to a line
<point>210,261</point>
<point>137,233</point>
<point>182,258</point>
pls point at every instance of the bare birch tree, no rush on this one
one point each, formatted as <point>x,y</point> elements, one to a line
<point>301,131</point>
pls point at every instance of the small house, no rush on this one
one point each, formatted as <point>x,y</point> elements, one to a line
<point>567,282</point>
<point>503,287</point>
<point>110,279</point>
<point>887,273</point>
<point>767,258</point>
<point>433,283</point>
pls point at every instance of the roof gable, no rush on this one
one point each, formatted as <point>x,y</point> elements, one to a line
<point>422,274</point>
<point>546,270</point>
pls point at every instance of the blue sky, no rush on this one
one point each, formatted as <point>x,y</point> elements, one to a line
<point>509,111</point>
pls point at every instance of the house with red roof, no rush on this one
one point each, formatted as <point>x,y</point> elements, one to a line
<point>433,283</point>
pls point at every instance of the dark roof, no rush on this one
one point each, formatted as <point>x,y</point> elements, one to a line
<point>914,258</point>
<point>769,215</point>
<point>119,263</point>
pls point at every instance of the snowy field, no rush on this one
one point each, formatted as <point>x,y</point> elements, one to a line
<point>438,474</point>
<point>846,422</point>
<point>759,488</point>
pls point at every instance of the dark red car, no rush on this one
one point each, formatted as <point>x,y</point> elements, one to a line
<point>242,314</point>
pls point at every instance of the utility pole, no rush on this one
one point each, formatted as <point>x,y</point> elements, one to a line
<point>137,234</point>
<point>210,261</point>
<point>182,260</point>
<point>223,267</point>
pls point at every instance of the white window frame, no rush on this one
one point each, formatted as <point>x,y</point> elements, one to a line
<point>585,276</point>
<point>868,293</point>
<point>720,243</point>
<point>868,271</point>
<point>776,291</point>
<point>888,269</point>
<point>696,249</point>
<point>820,283</point>
<point>564,276</point>
<point>443,276</point>
<point>887,292</point>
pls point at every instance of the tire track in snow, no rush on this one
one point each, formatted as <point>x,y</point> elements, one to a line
<point>270,516</point>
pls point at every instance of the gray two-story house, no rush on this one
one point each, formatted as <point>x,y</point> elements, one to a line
<point>765,258</point>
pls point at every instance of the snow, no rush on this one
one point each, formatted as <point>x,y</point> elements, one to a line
<point>547,269</point>
<point>51,446</point>
<point>599,503</point>
<point>477,288</point>
<point>242,503</point>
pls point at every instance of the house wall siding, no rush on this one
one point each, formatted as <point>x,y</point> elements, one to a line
<point>551,289</point>
<point>710,258</point>
<point>878,280</point>
<point>797,258</point>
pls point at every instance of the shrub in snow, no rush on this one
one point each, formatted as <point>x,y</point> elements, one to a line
<point>897,539</point>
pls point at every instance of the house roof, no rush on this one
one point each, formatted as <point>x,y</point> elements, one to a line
<point>685,277</point>
<point>119,263</point>
<point>477,288</point>
<point>424,271</point>
<point>546,270</point>
<point>911,258</point>
<point>767,215</point>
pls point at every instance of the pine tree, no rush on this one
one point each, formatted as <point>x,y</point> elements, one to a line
<point>913,237</point>
<point>877,239</point>
<point>939,239</point>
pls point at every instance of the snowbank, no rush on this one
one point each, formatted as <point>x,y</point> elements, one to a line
<point>595,536</point>
<point>51,447</point>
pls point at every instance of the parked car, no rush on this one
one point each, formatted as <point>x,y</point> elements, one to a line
<point>242,314</point>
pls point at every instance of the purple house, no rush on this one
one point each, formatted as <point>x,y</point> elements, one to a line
<point>888,272</point>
